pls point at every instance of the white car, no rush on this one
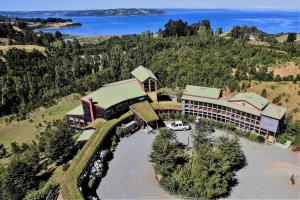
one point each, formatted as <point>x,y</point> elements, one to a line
<point>179,126</point>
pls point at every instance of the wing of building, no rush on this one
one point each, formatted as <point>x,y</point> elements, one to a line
<point>248,111</point>
<point>114,99</point>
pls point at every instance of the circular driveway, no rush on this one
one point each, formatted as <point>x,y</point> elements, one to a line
<point>267,175</point>
<point>130,174</point>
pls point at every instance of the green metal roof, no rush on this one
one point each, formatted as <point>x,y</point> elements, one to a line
<point>252,98</point>
<point>86,135</point>
<point>142,74</point>
<point>202,91</point>
<point>115,93</point>
<point>222,102</point>
<point>274,111</point>
<point>76,111</point>
<point>144,111</point>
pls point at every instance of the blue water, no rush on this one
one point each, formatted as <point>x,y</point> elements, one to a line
<point>267,21</point>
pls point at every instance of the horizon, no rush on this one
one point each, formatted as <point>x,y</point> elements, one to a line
<point>166,8</point>
<point>54,5</point>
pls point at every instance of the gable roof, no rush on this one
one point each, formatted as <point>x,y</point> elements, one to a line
<point>252,98</point>
<point>141,73</point>
<point>205,92</point>
<point>115,93</point>
<point>274,111</point>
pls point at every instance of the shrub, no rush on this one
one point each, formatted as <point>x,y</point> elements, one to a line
<point>119,132</point>
<point>65,167</point>
<point>172,116</point>
<point>276,100</point>
<point>191,118</point>
<point>91,182</point>
<point>3,151</point>
<point>260,139</point>
<point>162,116</point>
<point>177,115</point>
<point>286,100</point>
<point>239,132</point>
<point>264,93</point>
<point>183,117</point>
<point>230,126</point>
<point>252,137</point>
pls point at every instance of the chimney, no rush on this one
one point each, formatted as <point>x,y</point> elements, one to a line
<point>91,109</point>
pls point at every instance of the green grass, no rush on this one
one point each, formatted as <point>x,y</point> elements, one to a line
<point>69,187</point>
<point>25,131</point>
<point>93,39</point>
<point>166,105</point>
<point>145,111</point>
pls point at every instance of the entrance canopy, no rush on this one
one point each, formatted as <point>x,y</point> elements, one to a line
<point>144,111</point>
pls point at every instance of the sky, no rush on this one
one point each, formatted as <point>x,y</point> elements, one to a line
<point>30,5</point>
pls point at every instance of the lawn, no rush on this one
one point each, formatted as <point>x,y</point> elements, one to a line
<point>26,130</point>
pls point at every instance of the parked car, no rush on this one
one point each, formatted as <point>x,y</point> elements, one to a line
<point>179,126</point>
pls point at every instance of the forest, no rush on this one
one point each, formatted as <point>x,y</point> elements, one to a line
<point>179,54</point>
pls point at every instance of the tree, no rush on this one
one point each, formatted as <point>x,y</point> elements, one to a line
<point>164,152</point>
<point>175,28</point>
<point>264,93</point>
<point>201,136</point>
<point>20,175</point>
<point>219,31</point>
<point>291,37</point>
<point>58,35</point>
<point>56,142</point>
<point>15,148</point>
<point>230,150</point>
<point>3,151</point>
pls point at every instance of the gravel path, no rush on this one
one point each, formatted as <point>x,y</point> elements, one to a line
<point>267,175</point>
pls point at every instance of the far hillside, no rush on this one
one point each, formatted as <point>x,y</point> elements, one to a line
<point>283,38</point>
<point>284,93</point>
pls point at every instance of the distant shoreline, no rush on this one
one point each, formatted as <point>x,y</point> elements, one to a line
<point>83,13</point>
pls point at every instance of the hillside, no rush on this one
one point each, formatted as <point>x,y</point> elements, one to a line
<point>26,130</point>
<point>283,38</point>
<point>28,48</point>
<point>286,69</point>
<point>286,91</point>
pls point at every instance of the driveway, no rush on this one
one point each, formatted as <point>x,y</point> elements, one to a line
<point>267,175</point>
<point>130,174</point>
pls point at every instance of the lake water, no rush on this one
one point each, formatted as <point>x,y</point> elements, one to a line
<point>268,21</point>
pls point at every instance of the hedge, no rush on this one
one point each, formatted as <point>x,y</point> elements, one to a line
<point>229,127</point>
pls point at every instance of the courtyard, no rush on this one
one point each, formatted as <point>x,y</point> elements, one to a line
<point>267,174</point>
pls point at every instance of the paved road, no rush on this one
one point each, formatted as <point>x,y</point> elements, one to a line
<point>130,174</point>
<point>267,175</point>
